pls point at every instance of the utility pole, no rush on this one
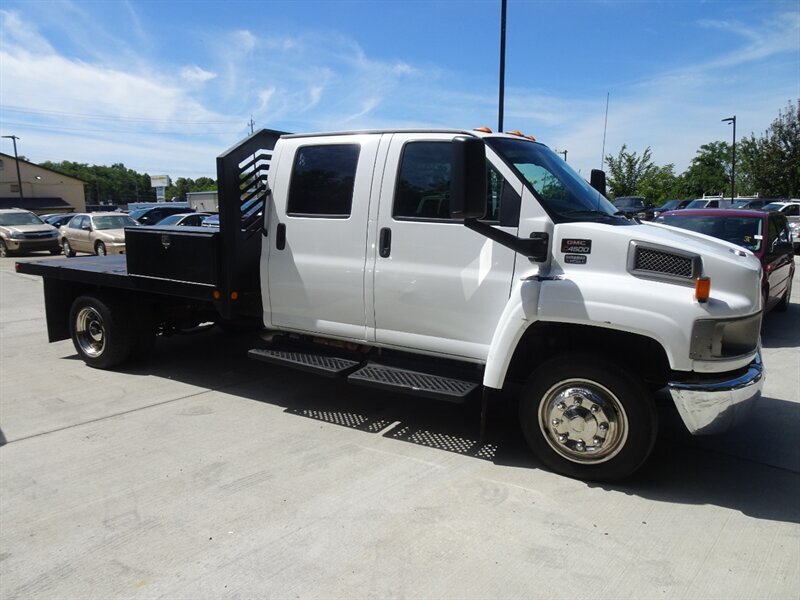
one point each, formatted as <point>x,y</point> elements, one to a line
<point>252,125</point>
<point>564,152</point>
<point>502,65</point>
<point>605,127</point>
<point>14,139</point>
<point>733,160</point>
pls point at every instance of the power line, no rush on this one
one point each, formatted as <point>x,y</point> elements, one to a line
<point>111,118</point>
<point>138,131</point>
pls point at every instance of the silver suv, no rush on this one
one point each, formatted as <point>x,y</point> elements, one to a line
<point>23,231</point>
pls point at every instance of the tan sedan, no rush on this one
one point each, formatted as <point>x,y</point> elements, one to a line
<point>97,233</point>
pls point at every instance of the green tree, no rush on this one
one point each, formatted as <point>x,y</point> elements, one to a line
<point>660,184</point>
<point>626,169</point>
<point>770,164</point>
<point>709,172</point>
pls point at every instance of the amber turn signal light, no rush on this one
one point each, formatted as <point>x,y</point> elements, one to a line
<point>702,289</point>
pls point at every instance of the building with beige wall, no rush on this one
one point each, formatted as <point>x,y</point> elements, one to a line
<point>43,190</point>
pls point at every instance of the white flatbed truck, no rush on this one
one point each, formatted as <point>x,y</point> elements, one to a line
<point>443,264</point>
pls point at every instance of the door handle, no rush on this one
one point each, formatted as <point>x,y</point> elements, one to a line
<point>385,243</point>
<point>280,237</point>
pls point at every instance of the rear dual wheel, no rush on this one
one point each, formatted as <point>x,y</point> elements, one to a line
<point>588,418</point>
<point>108,331</point>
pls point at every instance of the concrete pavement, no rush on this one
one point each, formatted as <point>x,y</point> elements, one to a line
<point>203,474</point>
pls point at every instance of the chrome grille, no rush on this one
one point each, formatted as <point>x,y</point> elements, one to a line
<point>655,261</point>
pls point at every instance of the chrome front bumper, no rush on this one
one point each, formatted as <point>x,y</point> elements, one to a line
<point>715,406</point>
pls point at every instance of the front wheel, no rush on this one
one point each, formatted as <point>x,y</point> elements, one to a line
<point>4,251</point>
<point>68,251</point>
<point>100,249</point>
<point>587,418</point>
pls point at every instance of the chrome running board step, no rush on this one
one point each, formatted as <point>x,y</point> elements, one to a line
<point>321,364</point>
<point>415,383</point>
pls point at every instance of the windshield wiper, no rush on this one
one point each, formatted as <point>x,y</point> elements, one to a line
<point>591,212</point>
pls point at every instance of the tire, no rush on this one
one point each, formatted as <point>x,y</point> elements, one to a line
<point>587,418</point>
<point>68,251</point>
<point>783,305</point>
<point>102,332</point>
<point>4,251</point>
<point>100,249</point>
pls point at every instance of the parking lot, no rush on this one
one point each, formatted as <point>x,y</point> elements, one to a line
<point>204,474</point>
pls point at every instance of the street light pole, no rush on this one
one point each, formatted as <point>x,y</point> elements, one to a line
<point>733,160</point>
<point>14,139</point>
<point>502,65</point>
<point>564,152</point>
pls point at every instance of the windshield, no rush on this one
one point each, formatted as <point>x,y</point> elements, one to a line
<point>699,203</point>
<point>628,202</point>
<point>742,231</point>
<point>564,194</point>
<point>773,206</point>
<point>20,218</point>
<point>113,222</point>
<point>170,220</point>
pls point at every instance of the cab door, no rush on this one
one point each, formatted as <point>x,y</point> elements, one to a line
<point>438,286</point>
<point>318,235</point>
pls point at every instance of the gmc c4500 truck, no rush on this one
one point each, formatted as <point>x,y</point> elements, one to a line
<point>442,264</point>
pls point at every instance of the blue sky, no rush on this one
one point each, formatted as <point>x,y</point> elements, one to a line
<point>165,87</point>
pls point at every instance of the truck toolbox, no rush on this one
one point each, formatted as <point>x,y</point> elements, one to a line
<point>174,253</point>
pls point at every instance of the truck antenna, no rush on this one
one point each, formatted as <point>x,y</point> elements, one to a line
<point>605,126</point>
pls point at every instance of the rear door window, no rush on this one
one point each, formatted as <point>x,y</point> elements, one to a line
<point>323,178</point>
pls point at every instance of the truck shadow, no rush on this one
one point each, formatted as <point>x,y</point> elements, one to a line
<point>723,471</point>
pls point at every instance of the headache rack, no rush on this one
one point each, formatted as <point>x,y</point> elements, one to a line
<point>223,262</point>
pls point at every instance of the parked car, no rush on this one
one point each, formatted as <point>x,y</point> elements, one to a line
<point>185,219</point>
<point>751,203</point>
<point>154,214</point>
<point>634,206</point>
<point>212,221</point>
<point>23,231</point>
<point>795,230</point>
<point>765,234</point>
<point>710,202</point>
<point>789,208</point>
<point>96,233</point>
<point>670,205</point>
<point>58,220</point>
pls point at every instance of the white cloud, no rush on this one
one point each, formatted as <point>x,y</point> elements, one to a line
<point>195,74</point>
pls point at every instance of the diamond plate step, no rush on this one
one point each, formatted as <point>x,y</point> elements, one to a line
<point>413,382</point>
<point>321,364</point>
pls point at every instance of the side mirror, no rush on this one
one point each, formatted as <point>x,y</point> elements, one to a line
<point>86,227</point>
<point>598,181</point>
<point>468,179</point>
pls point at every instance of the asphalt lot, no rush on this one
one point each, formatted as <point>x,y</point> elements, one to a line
<point>204,475</point>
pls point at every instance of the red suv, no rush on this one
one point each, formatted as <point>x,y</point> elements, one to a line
<point>765,234</point>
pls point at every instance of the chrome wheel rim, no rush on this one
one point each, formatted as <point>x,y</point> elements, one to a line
<point>101,249</point>
<point>66,247</point>
<point>583,421</point>
<point>90,332</point>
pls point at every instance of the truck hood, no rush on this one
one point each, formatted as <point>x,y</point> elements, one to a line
<point>734,271</point>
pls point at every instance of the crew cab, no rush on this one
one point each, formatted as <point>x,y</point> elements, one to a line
<point>444,263</point>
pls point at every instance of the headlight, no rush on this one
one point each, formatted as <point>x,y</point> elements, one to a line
<point>641,215</point>
<point>16,235</point>
<point>714,339</point>
<point>54,233</point>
